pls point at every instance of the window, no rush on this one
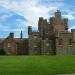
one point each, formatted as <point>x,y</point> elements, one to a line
<point>35,46</point>
<point>60,41</point>
<point>35,37</point>
<point>47,44</point>
<point>9,45</point>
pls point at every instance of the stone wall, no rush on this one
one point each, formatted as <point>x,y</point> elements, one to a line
<point>34,44</point>
<point>66,47</point>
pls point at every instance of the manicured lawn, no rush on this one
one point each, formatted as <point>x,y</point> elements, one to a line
<point>36,65</point>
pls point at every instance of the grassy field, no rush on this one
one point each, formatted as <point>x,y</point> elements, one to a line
<point>36,65</point>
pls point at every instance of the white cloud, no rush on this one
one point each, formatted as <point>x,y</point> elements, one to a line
<point>12,30</point>
<point>70,13</point>
<point>69,16</point>
<point>5,17</point>
<point>4,27</point>
<point>30,9</point>
<point>73,27</point>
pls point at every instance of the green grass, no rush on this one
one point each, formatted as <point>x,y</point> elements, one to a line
<point>36,65</point>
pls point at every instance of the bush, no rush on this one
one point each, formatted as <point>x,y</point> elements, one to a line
<point>2,52</point>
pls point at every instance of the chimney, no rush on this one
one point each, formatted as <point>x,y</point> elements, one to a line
<point>29,30</point>
<point>21,35</point>
<point>11,35</point>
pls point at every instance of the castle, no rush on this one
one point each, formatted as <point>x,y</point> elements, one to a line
<point>52,38</point>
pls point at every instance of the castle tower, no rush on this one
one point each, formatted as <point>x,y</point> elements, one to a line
<point>58,18</point>
<point>59,23</point>
<point>42,26</point>
<point>58,14</point>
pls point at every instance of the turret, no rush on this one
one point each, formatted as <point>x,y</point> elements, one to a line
<point>65,22</point>
<point>52,20</point>
<point>29,30</point>
<point>40,23</point>
<point>58,14</point>
<point>58,23</point>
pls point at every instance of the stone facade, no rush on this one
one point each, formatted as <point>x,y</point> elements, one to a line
<point>14,46</point>
<point>52,38</point>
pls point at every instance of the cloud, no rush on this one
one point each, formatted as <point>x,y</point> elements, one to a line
<point>31,10</point>
<point>69,16</point>
<point>69,12</point>
<point>73,27</point>
<point>4,17</point>
<point>9,20</point>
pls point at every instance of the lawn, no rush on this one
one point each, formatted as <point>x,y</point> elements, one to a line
<point>36,65</point>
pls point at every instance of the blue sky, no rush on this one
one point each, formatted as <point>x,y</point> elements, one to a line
<point>17,15</point>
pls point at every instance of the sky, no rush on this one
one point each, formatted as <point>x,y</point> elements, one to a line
<point>17,15</point>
